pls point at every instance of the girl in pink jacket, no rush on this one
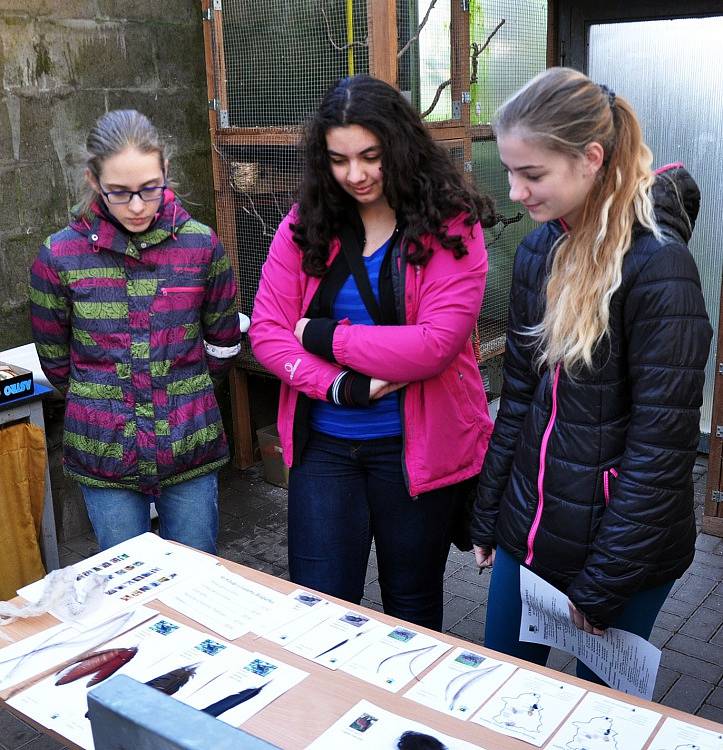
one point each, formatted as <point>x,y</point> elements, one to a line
<point>365,309</point>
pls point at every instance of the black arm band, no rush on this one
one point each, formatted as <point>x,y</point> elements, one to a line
<point>318,337</point>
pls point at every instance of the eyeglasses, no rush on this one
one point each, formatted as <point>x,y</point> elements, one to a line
<point>147,194</point>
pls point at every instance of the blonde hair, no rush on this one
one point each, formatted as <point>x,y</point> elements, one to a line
<point>564,111</point>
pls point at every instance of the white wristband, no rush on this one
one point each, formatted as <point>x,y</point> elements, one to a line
<point>221,352</point>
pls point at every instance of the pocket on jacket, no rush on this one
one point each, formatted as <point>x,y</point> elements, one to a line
<point>177,297</point>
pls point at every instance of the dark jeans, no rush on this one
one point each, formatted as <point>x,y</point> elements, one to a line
<point>346,492</point>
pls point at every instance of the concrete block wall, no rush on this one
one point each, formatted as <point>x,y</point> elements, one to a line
<point>62,64</point>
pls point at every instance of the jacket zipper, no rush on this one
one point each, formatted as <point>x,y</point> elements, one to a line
<point>541,471</point>
<point>170,289</point>
<point>403,392</point>
<point>606,483</point>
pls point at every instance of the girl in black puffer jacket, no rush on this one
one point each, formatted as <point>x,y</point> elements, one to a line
<point>588,476</point>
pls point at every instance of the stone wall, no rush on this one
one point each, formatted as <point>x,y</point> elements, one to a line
<point>62,64</point>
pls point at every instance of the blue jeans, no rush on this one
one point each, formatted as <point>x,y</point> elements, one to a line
<point>504,611</point>
<point>187,513</point>
<point>346,492</point>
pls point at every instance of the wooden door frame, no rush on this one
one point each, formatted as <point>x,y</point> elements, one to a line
<point>572,15</point>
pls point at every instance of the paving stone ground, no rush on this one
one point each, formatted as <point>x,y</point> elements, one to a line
<point>689,629</point>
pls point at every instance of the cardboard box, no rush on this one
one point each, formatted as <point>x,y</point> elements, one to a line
<point>21,384</point>
<point>275,470</point>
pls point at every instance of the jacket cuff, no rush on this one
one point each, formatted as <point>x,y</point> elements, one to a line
<point>318,337</point>
<point>349,389</point>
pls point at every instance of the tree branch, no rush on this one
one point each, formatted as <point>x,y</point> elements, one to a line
<point>442,86</point>
<point>416,34</point>
<point>339,47</point>
<point>477,50</point>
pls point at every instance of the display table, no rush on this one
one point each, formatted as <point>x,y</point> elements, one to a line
<point>307,710</point>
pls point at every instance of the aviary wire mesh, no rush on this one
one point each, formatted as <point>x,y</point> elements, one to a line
<point>274,60</point>
<point>508,45</point>
<point>278,59</point>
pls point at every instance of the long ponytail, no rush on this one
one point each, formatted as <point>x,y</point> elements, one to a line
<point>564,111</point>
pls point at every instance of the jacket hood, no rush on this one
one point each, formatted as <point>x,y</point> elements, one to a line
<point>103,233</point>
<point>676,198</point>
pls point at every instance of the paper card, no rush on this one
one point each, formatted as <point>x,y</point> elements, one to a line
<point>223,601</point>
<point>43,651</point>
<point>460,683</point>
<point>679,735</point>
<point>245,688</point>
<point>135,571</point>
<point>623,660</point>
<point>368,726</point>
<point>335,640</point>
<point>399,655</point>
<point>300,612</point>
<point>602,723</point>
<point>529,706</point>
<point>199,660</point>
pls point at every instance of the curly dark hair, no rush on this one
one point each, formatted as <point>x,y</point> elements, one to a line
<point>421,183</point>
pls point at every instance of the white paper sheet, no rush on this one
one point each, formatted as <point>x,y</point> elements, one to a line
<point>223,601</point>
<point>136,571</point>
<point>335,640</point>
<point>287,620</point>
<point>601,723</point>
<point>398,655</point>
<point>460,683</point>
<point>42,651</point>
<point>625,661</point>
<point>529,706</point>
<point>679,735</point>
<point>368,726</point>
<point>256,671</point>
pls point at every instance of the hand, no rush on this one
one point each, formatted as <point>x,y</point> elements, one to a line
<point>379,388</point>
<point>580,621</point>
<point>484,556</point>
<point>299,329</point>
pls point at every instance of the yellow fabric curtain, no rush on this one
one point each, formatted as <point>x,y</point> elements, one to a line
<point>22,488</point>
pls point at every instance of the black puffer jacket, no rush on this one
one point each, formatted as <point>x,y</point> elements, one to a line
<point>611,451</point>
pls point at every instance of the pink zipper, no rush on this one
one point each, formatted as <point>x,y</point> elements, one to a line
<point>169,289</point>
<point>541,471</point>
<point>606,483</point>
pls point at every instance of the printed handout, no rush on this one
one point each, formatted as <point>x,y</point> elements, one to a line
<point>398,655</point>
<point>460,683</point>
<point>335,640</point>
<point>529,706</point>
<point>135,571</point>
<point>625,661</point>
<point>679,735</point>
<point>297,613</point>
<point>368,726</point>
<point>223,601</point>
<point>245,688</point>
<point>601,723</point>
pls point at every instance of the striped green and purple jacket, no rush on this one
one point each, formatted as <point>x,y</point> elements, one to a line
<point>132,328</point>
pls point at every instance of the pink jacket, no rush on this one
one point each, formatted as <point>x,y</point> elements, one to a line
<point>445,416</point>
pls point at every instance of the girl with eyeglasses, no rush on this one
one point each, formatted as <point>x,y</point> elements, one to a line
<point>133,315</point>
<point>588,477</point>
